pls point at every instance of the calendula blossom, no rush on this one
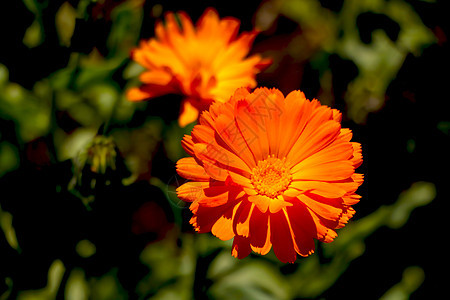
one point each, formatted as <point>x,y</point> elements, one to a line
<point>205,63</point>
<point>270,171</point>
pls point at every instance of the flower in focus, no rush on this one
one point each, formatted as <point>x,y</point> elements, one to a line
<point>270,171</point>
<point>204,63</point>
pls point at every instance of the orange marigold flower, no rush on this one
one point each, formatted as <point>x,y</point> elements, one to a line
<point>270,171</point>
<point>205,63</point>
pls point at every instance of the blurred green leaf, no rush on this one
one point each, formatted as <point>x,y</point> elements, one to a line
<point>254,280</point>
<point>70,145</point>
<point>377,62</point>
<point>30,113</point>
<point>444,126</point>
<point>350,242</point>
<point>127,20</point>
<point>107,287</point>
<point>85,248</point>
<point>8,230</point>
<point>411,281</point>
<point>420,194</point>
<point>55,274</point>
<point>4,76</point>
<point>170,269</point>
<point>34,35</point>
<point>77,287</point>
<point>65,22</point>
<point>9,158</point>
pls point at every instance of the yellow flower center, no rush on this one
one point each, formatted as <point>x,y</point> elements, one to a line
<point>271,176</point>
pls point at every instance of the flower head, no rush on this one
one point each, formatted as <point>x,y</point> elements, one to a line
<point>270,171</point>
<point>204,63</point>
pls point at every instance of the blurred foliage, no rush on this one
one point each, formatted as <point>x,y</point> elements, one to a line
<point>87,179</point>
<point>374,35</point>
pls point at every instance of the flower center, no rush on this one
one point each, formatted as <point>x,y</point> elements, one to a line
<point>271,176</point>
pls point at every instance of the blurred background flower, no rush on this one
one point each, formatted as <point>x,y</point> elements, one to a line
<point>204,63</point>
<point>120,232</point>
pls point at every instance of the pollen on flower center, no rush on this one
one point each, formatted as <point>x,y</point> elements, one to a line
<point>271,177</point>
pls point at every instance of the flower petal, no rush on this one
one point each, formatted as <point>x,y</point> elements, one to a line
<point>261,202</point>
<point>306,225</point>
<point>260,232</point>
<point>277,204</point>
<point>241,247</point>
<point>219,161</point>
<point>320,188</point>
<point>297,111</point>
<point>241,223</point>
<point>188,114</point>
<point>253,132</point>
<point>322,206</point>
<point>188,168</point>
<point>336,170</point>
<point>223,228</point>
<point>192,191</point>
<point>281,237</point>
<point>312,140</point>
<point>230,134</point>
<point>303,242</point>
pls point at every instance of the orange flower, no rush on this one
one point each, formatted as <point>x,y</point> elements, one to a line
<point>205,63</point>
<point>270,171</point>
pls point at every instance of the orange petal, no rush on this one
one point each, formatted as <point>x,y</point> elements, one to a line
<point>202,134</point>
<point>261,202</point>
<point>357,155</point>
<point>269,113</point>
<point>335,151</point>
<point>192,191</point>
<point>188,144</point>
<point>320,188</point>
<point>241,247</point>
<point>228,131</point>
<point>277,204</point>
<point>303,242</point>
<point>188,114</point>
<point>229,28</point>
<point>313,140</point>
<point>241,223</point>
<point>158,77</point>
<point>136,94</point>
<point>264,63</point>
<point>325,233</point>
<point>297,111</point>
<point>322,206</point>
<point>219,195</point>
<point>336,170</point>
<point>208,22</point>
<point>345,134</point>
<point>351,199</point>
<point>223,227</point>
<point>148,91</point>
<point>281,237</point>
<point>205,217</point>
<point>260,232</point>
<point>306,225</point>
<point>337,115</point>
<point>241,46</point>
<point>221,158</point>
<point>253,132</point>
<point>188,168</point>
<point>186,24</point>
